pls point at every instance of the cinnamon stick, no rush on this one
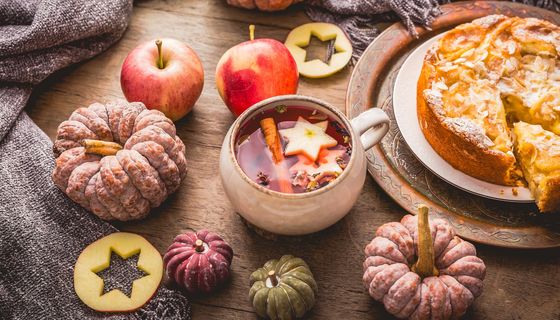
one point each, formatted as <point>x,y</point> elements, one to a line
<point>272,139</point>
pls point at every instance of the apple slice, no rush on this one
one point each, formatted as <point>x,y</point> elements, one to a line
<point>303,164</point>
<point>326,163</point>
<point>307,139</point>
<point>300,37</point>
<point>97,256</point>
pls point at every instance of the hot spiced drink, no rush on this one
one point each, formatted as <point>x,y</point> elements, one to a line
<point>293,149</point>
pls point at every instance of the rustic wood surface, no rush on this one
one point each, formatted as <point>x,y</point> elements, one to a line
<point>519,284</point>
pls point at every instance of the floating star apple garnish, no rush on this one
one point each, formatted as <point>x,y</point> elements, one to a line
<point>327,163</point>
<point>307,139</point>
<point>304,164</point>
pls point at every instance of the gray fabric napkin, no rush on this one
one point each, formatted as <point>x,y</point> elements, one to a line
<point>42,232</point>
<point>360,19</point>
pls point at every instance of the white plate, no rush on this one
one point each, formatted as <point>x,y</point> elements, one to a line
<point>404,106</point>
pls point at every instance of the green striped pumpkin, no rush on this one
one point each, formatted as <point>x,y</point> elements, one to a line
<point>283,289</point>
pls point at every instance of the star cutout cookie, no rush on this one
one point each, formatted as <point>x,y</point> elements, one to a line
<point>307,139</point>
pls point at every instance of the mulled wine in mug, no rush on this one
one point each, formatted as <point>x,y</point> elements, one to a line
<point>294,165</point>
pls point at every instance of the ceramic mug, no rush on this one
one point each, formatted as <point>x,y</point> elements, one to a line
<point>301,213</point>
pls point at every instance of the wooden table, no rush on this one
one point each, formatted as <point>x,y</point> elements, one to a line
<point>519,284</point>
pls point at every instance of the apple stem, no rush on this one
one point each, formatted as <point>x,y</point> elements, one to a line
<point>252,32</point>
<point>160,56</point>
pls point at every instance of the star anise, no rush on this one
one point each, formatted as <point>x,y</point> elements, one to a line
<point>300,179</point>
<point>281,108</point>
<point>326,180</point>
<point>312,185</point>
<point>341,163</point>
<point>263,179</point>
<point>339,128</point>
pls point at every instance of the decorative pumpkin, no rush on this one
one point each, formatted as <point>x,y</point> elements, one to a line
<point>440,284</point>
<point>198,262</point>
<point>283,289</point>
<point>264,5</point>
<point>118,160</point>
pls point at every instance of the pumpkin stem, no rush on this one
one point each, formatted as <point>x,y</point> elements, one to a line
<point>272,277</point>
<point>102,148</point>
<point>425,266</point>
<point>252,32</point>
<point>199,245</point>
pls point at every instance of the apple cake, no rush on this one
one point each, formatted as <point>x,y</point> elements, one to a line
<point>538,153</point>
<point>477,82</point>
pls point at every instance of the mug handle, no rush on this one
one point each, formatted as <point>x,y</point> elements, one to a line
<point>374,119</point>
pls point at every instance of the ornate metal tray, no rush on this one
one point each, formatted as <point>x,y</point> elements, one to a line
<point>404,178</point>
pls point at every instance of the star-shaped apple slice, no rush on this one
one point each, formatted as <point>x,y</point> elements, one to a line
<point>307,138</point>
<point>304,164</point>
<point>327,163</point>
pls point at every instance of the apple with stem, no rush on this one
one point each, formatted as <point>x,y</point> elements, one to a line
<point>255,70</point>
<point>165,74</point>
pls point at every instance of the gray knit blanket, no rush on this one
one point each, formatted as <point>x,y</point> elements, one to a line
<point>42,232</point>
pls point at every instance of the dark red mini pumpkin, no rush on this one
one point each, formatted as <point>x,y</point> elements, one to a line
<point>198,262</point>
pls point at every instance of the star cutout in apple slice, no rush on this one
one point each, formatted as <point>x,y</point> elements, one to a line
<point>121,274</point>
<point>307,138</point>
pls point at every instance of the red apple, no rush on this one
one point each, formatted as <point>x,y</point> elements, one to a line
<point>253,71</point>
<point>164,74</point>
